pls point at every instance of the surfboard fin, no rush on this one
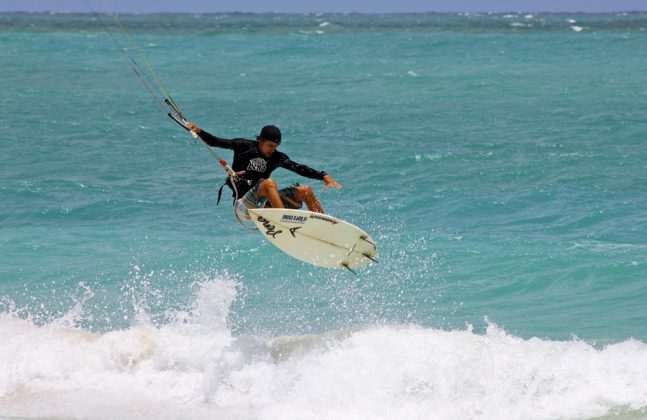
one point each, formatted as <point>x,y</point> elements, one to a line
<point>365,239</point>
<point>345,265</point>
<point>367,255</point>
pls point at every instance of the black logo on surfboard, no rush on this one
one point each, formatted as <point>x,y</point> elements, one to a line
<point>324,218</point>
<point>270,229</point>
<point>288,218</point>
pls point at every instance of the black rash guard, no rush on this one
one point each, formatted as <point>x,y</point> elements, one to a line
<point>248,158</point>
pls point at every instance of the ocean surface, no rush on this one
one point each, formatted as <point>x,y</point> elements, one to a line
<point>500,161</point>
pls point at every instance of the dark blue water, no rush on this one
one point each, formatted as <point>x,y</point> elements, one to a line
<point>497,159</point>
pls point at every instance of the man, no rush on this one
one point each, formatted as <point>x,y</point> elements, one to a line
<point>255,160</point>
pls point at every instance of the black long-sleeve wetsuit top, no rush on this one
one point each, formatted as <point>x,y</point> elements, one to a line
<point>248,158</point>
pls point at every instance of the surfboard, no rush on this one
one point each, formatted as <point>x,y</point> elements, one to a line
<point>316,238</point>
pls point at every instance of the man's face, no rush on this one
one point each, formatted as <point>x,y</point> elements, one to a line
<point>267,147</point>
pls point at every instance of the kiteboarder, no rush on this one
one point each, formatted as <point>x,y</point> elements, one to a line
<point>254,161</point>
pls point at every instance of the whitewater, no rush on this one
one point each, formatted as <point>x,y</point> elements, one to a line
<point>194,367</point>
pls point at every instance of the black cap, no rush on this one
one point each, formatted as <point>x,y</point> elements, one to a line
<point>271,133</point>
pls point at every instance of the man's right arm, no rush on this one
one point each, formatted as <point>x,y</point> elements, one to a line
<point>214,141</point>
<point>210,139</point>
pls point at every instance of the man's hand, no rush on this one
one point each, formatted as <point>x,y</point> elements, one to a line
<point>328,181</point>
<point>194,128</point>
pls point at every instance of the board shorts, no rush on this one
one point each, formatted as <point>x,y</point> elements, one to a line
<point>251,200</point>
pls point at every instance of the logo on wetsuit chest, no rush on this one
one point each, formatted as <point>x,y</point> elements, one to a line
<point>257,165</point>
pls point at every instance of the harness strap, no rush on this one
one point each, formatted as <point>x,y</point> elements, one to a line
<point>231,183</point>
<point>220,192</point>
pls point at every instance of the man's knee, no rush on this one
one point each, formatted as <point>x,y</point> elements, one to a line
<point>302,192</point>
<point>268,184</point>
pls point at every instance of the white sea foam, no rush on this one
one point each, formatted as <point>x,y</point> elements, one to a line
<point>316,32</point>
<point>577,28</point>
<point>195,368</point>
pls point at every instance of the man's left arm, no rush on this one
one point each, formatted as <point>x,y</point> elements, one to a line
<point>308,172</point>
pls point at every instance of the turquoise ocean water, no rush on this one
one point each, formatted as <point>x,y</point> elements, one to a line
<point>499,160</point>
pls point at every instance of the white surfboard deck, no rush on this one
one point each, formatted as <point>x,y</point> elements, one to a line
<point>315,238</point>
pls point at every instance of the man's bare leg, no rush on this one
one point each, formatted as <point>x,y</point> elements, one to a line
<point>304,194</point>
<point>269,189</point>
